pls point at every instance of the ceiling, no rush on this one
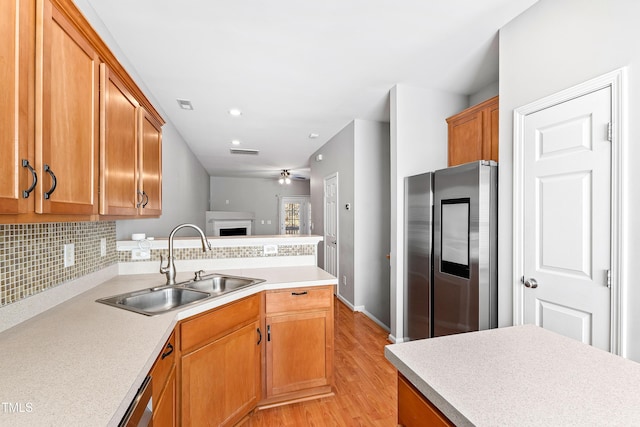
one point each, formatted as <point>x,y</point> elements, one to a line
<point>296,67</point>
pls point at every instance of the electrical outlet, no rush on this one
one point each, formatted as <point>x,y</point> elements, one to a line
<point>271,249</point>
<point>69,254</point>
<point>103,247</point>
<point>138,254</point>
<point>344,280</point>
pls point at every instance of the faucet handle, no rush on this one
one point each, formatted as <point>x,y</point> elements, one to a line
<point>163,269</point>
<point>198,275</point>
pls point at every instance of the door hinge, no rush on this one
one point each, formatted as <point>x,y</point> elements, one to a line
<point>608,278</point>
<point>609,132</point>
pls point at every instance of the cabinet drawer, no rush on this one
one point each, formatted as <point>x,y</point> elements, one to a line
<point>299,299</point>
<point>163,364</point>
<point>196,332</point>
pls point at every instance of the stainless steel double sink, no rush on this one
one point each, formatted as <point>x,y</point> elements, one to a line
<point>162,299</point>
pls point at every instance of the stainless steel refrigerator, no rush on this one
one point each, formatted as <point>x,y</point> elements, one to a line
<point>451,271</point>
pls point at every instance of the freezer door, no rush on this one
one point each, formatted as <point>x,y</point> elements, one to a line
<point>418,256</point>
<point>464,254</point>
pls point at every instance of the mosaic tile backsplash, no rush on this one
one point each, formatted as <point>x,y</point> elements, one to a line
<point>220,253</point>
<point>31,255</point>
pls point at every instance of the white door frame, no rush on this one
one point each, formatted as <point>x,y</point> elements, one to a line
<point>305,202</point>
<point>324,220</point>
<point>617,81</point>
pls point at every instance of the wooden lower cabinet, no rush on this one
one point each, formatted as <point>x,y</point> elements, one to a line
<point>415,410</point>
<point>221,368</point>
<point>299,347</point>
<point>163,377</point>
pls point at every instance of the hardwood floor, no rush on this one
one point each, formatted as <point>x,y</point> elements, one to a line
<point>365,382</point>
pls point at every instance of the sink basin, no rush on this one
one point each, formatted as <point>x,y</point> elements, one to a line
<point>155,300</point>
<point>218,284</point>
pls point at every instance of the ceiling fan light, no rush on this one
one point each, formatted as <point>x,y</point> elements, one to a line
<point>287,180</point>
<point>281,180</point>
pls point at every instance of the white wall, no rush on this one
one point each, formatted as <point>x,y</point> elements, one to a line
<point>185,183</point>
<point>257,195</point>
<point>552,46</point>
<point>418,144</point>
<point>485,93</point>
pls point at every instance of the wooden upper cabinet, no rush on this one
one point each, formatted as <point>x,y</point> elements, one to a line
<point>17,20</point>
<point>150,164</point>
<point>473,133</point>
<point>66,141</point>
<point>51,117</point>
<point>118,146</point>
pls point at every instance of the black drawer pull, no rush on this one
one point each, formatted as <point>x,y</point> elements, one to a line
<point>260,336</point>
<point>34,181</point>
<point>298,293</point>
<point>170,348</point>
<point>54,180</point>
<point>268,332</point>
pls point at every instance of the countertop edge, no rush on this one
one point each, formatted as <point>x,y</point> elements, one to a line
<point>434,397</point>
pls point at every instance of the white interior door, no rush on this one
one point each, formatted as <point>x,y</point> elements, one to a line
<point>567,218</point>
<point>331,224</point>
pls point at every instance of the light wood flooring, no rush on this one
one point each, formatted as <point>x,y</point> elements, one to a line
<point>365,382</point>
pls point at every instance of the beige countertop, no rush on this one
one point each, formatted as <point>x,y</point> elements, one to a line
<point>81,362</point>
<point>521,376</point>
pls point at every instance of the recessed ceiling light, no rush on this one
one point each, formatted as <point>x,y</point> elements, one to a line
<point>185,104</point>
<point>235,112</point>
<point>313,135</point>
<point>235,142</point>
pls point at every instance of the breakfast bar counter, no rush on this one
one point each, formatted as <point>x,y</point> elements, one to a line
<point>521,375</point>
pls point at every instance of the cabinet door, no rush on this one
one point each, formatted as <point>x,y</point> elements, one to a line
<point>66,139</point>
<point>164,408</point>
<point>17,19</point>
<point>415,410</point>
<point>118,147</point>
<point>465,139</point>
<point>297,352</point>
<point>150,136</point>
<point>221,380</point>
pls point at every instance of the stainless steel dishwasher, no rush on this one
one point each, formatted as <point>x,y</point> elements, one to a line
<point>140,411</point>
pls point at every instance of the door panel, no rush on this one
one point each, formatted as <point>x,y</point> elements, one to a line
<point>331,225</point>
<point>567,231</point>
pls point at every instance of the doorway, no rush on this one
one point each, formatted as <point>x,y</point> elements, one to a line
<point>295,215</point>
<point>331,224</point>
<point>567,213</point>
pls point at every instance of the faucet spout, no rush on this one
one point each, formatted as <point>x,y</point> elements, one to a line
<point>170,269</point>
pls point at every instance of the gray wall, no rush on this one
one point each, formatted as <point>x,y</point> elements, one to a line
<point>418,144</point>
<point>257,195</point>
<point>372,215</point>
<point>552,46</point>
<point>338,156</point>
<point>359,153</point>
<point>185,192</point>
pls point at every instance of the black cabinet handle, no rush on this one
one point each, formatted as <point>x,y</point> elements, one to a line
<point>34,181</point>
<point>48,170</point>
<point>140,199</point>
<point>298,293</point>
<point>145,200</point>
<point>167,353</point>
<point>259,335</point>
<point>268,333</point>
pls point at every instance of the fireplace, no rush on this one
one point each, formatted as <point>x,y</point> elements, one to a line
<point>223,223</point>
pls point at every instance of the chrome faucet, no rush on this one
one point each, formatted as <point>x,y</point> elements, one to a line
<point>170,269</point>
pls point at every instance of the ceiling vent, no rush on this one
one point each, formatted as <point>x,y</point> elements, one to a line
<point>243,151</point>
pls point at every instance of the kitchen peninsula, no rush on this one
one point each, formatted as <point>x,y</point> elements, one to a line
<point>81,362</point>
<point>522,375</point>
